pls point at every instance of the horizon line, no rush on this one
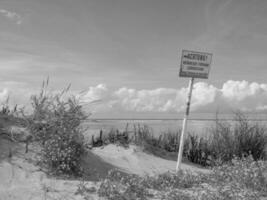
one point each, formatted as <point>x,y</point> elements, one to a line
<point>170,119</point>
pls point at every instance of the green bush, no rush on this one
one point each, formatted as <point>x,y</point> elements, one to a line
<point>55,124</point>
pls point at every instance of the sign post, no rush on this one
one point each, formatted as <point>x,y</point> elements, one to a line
<point>193,65</point>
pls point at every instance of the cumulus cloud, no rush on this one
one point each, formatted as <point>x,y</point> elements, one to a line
<point>233,94</point>
<point>143,100</point>
<point>240,90</point>
<point>94,93</point>
<point>203,94</point>
<point>245,96</point>
<point>11,16</point>
<point>163,99</point>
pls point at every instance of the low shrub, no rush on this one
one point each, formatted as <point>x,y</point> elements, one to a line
<point>123,186</point>
<point>62,154</point>
<point>168,180</point>
<point>176,195</point>
<point>245,172</point>
<point>128,186</point>
<point>241,179</point>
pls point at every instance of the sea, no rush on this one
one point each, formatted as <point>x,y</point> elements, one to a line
<point>197,124</point>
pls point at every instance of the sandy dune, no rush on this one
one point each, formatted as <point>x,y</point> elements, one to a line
<point>22,180</point>
<point>134,160</point>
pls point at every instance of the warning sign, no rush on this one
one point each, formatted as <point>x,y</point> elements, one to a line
<point>195,64</point>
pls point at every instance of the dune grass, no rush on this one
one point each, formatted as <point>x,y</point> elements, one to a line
<point>55,125</point>
<point>221,144</point>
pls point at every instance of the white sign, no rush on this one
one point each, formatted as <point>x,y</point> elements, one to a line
<point>195,64</point>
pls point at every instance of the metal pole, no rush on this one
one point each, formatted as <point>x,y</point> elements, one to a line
<point>181,146</point>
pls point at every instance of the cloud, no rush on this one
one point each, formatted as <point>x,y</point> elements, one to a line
<point>144,100</point>
<point>163,99</point>
<point>245,96</point>
<point>12,16</point>
<point>96,99</point>
<point>4,95</point>
<point>100,92</point>
<point>241,90</point>
<point>231,96</point>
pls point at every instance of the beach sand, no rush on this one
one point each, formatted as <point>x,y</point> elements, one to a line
<point>134,160</point>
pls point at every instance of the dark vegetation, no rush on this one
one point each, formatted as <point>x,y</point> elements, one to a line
<point>238,180</point>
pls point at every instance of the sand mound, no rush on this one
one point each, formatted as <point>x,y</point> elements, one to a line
<point>20,180</point>
<point>134,160</point>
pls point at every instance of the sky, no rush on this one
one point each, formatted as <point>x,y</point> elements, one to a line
<point>126,53</point>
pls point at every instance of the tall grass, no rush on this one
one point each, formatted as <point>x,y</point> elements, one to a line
<point>228,140</point>
<point>243,138</point>
<point>55,124</point>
